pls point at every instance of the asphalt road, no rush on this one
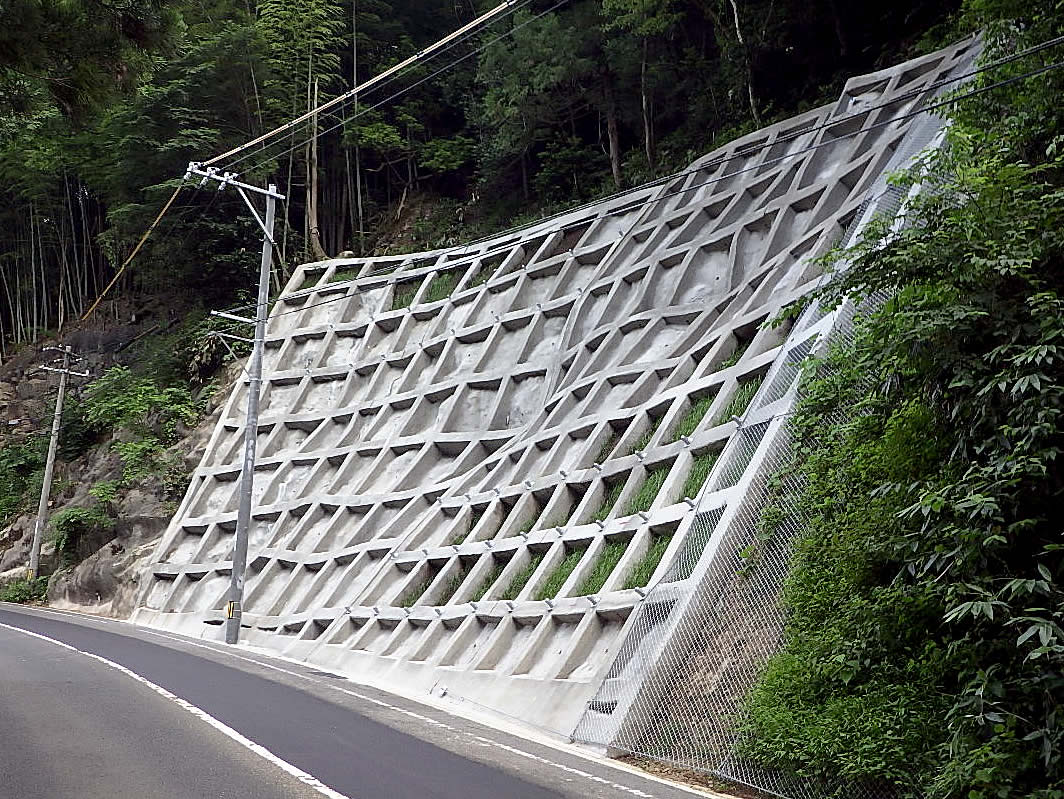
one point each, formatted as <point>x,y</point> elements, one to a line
<point>73,726</point>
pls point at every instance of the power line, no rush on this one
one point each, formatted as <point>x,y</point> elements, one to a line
<point>392,78</point>
<point>780,159</point>
<point>753,149</point>
<point>136,249</point>
<point>366,109</point>
<point>368,84</point>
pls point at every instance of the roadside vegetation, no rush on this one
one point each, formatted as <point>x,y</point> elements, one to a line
<point>924,648</point>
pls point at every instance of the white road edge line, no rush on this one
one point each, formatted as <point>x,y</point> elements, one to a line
<point>188,641</point>
<point>480,740</point>
<point>307,779</point>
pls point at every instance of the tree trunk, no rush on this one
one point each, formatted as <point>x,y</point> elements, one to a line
<point>611,129</point>
<point>312,188</point>
<point>358,158</point>
<point>840,29</point>
<point>746,64</point>
<point>648,120</point>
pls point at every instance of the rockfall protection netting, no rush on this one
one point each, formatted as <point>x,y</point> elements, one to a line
<point>697,644</point>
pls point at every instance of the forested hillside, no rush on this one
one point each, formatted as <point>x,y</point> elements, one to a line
<point>103,105</point>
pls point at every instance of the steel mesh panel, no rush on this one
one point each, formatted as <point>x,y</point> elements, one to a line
<point>703,650</point>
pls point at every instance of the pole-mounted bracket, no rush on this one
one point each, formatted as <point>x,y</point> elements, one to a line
<point>233,317</point>
<point>227,179</point>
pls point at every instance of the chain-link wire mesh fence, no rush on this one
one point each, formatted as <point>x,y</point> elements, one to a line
<point>697,644</point>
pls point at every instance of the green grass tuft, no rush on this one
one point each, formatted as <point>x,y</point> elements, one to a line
<point>530,522</point>
<point>648,492</point>
<point>452,586</point>
<point>343,275</point>
<point>442,286</point>
<point>523,576</point>
<point>482,276</point>
<point>607,446</point>
<point>404,294</point>
<point>310,280</point>
<point>557,578</point>
<point>644,440</point>
<point>609,499</point>
<point>489,579</point>
<point>648,564</point>
<point>733,359</point>
<point>609,557</point>
<point>740,400</point>
<point>700,469</point>
<point>693,418</point>
<point>414,594</point>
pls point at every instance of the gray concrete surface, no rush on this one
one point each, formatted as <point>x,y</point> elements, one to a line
<point>419,451</point>
<point>73,727</point>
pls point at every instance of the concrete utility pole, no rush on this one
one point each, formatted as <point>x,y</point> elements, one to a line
<point>235,596</point>
<point>49,467</point>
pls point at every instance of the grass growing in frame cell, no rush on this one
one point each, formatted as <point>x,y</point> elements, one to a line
<point>489,579</point>
<point>609,499</point>
<point>522,577</point>
<point>644,440</point>
<point>700,469</point>
<point>648,564</point>
<point>557,578</point>
<point>740,400</point>
<point>693,418</point>
<point>452,586</point>
<point>442,286</point>
<point>648,492</point>
<point>609,556</point>
<point>404,294</point>
<point>343,275</point>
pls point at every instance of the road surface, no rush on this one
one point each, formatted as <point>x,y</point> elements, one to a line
<point>156,715</point>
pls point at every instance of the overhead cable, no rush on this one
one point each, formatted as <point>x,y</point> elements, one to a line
<point>395,95</point>
<point>662,197</point>
<point>420,55</point>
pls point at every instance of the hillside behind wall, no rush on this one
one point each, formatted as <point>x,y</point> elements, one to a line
<point>474,462</point>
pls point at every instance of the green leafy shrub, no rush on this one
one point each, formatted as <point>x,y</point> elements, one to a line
<point>72,526</point>
<point>25,590</point>
<point>21,471</point>
<point>924,652</point>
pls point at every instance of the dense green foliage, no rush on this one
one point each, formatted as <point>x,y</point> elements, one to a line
<point>553,103</point>
<point>72,526</point>
<point>24,590</point>
<point>925,641</point>
<point>21,470</point>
